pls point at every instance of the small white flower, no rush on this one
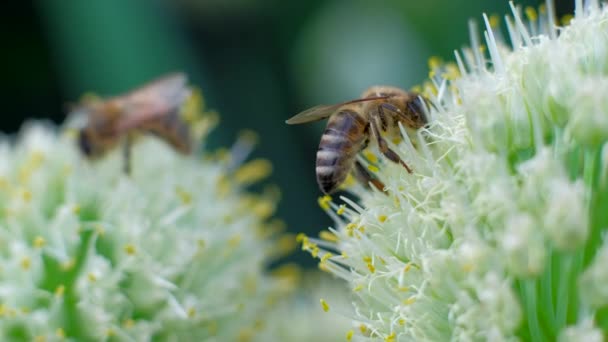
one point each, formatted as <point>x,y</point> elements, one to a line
<point>497,233</point>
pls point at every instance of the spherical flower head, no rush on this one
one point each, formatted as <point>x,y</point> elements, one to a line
<point>174,251</point>
<point>498,232</point>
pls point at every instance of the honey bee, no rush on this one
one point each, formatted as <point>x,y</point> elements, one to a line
<point>151,109</point>
<point>353,123</point>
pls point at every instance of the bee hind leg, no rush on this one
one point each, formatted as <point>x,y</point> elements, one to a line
<point>383,145</point>
<point>365,177</point>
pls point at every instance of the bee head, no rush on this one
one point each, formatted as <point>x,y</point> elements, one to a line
<point>85,143</point>
<point>416,109</point>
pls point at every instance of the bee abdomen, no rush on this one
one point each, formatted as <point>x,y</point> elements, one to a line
<point>339,145</point>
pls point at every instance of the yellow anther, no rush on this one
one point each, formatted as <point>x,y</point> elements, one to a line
<point>390,338</point>
<point>344,255</point>
<point>382,218</point>
<point>60,333</point>
<point>92,277</point>
<point>326,257</point>
<point>409,301</point>
<point>128,323</point>
<point>358,288</point>
<point>324,202</point>
<point>27,195</point>
<point>401,321</point>
<point>494,21</point>
<point>468,267</point>
<point>323,267</point>
<point>200,243</point>
<point>110,332</point>
<point>68,265</point>
<point>566,19</point>
<point>361,229</point>
<point>531,13</point>
<point>417,89</point>
<point>382,261</point>
<point>285,244</point>
<point>451,72</point>
<point>39,242</point>
<point>371,267</point>
<point>191,312</point>
<point>184,196</point>
<point>403,289</point>
<point>99,230</point>
<point>341,209</point>
<point>301,238</point>
<point>234,241</point>
<point>434,62</point>
<point>542,9</point>
<point>130,249</point>
<point>363,328</point>
<point>76,209</point>
<point>59,291</point>
<point>367,259</point>
<point>263,208</point>
<point>324,305</point>
<point>26,263</point>
<point>349,335</point>
<point>407,267</point>
<point>369,155</point>
<point>253,171</point>
<point>328,236</point>
<point>40,338</point>
<point>314,251</point>
<point>373,168</point>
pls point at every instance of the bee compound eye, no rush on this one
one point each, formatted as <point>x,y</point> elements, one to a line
<point>417,109</point>
<point>84,143</point>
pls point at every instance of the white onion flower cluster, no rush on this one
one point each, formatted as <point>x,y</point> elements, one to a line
<point>174,252</point>
<point>499,232</point>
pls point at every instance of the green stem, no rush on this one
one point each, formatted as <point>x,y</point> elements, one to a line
<point>546,285</point>
<point>530,301</point>
<point>563,291</point>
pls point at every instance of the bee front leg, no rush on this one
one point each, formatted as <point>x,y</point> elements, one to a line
<point>383,145</point>
<point>126,153</point>
<point>365,177</point>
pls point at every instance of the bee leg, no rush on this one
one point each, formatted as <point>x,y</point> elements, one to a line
<point>126,153</point>
<point>383,145</point>
<point>365,177</point>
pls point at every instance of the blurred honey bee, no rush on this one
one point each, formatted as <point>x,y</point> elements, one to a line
<point>352,124</point>
<point>151,109</point>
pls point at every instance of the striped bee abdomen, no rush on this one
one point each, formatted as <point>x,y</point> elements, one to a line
<point>342,140</point>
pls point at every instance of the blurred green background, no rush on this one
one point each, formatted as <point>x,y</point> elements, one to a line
<point>258,62</point>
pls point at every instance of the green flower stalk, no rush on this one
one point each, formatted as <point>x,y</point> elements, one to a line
<point>498,233</point>
<point>175,252</point>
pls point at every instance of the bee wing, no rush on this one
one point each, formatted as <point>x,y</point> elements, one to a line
<point>323,111</point>
<point>153,101</point>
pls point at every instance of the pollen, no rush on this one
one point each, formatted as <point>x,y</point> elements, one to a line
<point>92,277</point>
<point>349,335</point>
<point>390,338</point>
<point>382,218</point>
<point>566,19</point>
<point>341,209</point>
<point>324,202</point>
<point>358,288</point>
<point>324,305</point>
<point>39,242</point>
<point>409,301</point>
<point>130,249</point>
<point>373,168</point>
<point>363,328</point>
<point>371,267</point>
